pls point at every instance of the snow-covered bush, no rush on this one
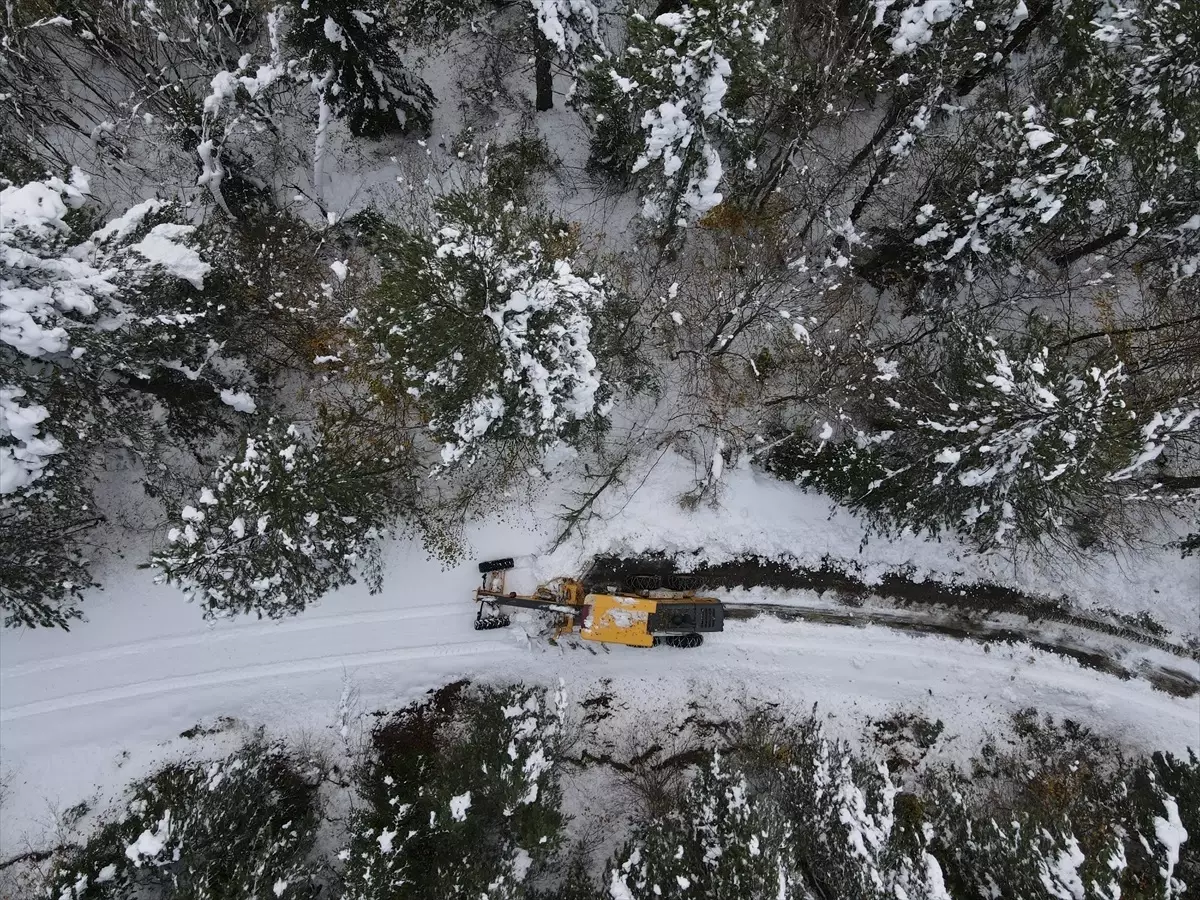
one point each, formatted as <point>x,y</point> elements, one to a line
<point>485,326</point>
<point>720,843</point>
<point>666,110</point>
<point>351,54</point>
<point>281,522</point>
<point>240,827</point>
<point>1001,442</point>
<point>462,797</point>
<point>1064,813</point>
<point>44,504</point>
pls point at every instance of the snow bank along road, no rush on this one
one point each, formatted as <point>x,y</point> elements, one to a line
<point>99,704</point>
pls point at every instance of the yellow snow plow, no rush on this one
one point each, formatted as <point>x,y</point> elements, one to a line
<point>633,618</point>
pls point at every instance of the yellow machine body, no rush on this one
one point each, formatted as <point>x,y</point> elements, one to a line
<point>617,619</point>
<point>635,620</point>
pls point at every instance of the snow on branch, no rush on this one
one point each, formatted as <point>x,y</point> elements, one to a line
<point>489,329</point>
<point>52,281</point>
<point>282,522</point>
<point>569,25</point>
<point>25,451</point>
<point>673,80</point>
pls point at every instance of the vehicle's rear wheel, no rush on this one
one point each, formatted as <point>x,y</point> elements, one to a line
<point>638,583</point>
<point>496,620</point>
<point>683,582</point>
<point>495,565</point>
<point>684,641</point>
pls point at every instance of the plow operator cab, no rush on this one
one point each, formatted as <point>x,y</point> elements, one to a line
<point>634,618</point>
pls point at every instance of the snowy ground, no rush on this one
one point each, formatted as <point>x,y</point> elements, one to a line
<point>84,712</point>
<point>757,515</point>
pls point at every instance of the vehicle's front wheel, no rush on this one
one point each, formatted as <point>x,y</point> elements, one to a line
<point>487,623</point>
<point>684,641</point>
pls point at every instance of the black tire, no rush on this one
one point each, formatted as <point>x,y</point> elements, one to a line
<point>683,582</point>
<point>495,565</point>
<point>684,641</point>
<point>644,582</point>
<point>487,623</point>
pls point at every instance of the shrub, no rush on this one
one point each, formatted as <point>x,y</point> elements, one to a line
<point>462,797</point>
<point>239,827</point>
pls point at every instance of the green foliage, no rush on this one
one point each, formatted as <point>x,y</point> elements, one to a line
<point>998,441</point>
<point>459,797</point>
<point>462,797</point>
<point>578,883</point>
<point>352,55</point>
<point>791,814</point>
<point>43,568</point>
<point>1178,778</point>
<point>426,22</point>
<point>284,520</point>
<point>1077,816</point>
<point>239,827</point>
<point>513,168</point>
<point>669,108</point>
<point>719,844</point>
<point>485,326</point>
<point>109,345</point>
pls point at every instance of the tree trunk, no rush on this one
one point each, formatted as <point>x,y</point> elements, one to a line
<point>543,77</point>
<point>1178,482</point>
<point>1016,44</point>
<point>1180,212</point>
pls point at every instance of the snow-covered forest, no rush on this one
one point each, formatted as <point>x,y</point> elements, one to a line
<point>468,793</point>
<point>286,286</point>
<point>309,274</point>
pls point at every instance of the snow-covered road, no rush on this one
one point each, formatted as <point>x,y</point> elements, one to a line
<point>96,706</point>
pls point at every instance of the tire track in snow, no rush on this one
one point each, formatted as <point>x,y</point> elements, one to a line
<point>251,673</point>
<point>1023,671</point>
<point>1165,678</point>
<point>897,586</point>
<point>375,617</point>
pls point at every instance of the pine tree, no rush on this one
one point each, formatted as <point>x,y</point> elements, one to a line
<point>351,54</point>
<point>283,521</point>
<point>241,826</point>
<point>1062,813</point>
<point>486,326</point>
<point>999,441</point>
<point>666,109</point>
<point>463,801</point>
<point>44,503</point>
<point>107,341</point>
<point>1173,785</point>
<point>1075,152</point>
<point>854,833</point>
<point>719,844</point>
